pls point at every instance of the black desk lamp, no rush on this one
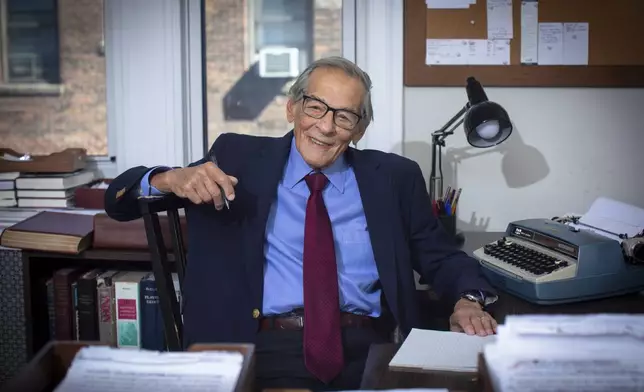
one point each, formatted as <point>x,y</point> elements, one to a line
<point>486,124</point>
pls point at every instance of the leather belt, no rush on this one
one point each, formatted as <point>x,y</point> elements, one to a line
<point>296,322</point>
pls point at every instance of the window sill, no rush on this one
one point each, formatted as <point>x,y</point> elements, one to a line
<point>31,90</point>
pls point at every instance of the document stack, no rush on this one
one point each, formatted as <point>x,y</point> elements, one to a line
<point>590,353</point>
<point>103,369</point>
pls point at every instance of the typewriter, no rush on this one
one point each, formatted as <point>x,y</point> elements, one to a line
<point>548,262</point>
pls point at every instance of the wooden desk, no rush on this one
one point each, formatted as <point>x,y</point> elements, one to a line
<point>377,375</point>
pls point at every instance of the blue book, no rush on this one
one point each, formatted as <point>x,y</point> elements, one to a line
<point>152,334</point>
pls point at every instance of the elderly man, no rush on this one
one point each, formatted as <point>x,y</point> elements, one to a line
<point>315,251</point>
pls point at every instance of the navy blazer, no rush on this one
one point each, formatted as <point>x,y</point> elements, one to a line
<point>223,285</point>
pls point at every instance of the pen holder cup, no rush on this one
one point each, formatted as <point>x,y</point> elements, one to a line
<point>449,224</point>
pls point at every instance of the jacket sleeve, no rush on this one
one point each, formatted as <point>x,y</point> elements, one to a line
<point>122,195</point>
<point>435,254</point>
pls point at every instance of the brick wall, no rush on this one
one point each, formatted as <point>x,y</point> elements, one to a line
<point>75,118</point>
<point>228,50</point>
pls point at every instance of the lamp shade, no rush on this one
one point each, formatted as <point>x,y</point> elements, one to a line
<point>486,124</point>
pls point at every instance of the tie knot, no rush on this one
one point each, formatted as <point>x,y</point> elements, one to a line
<point>316,181</point>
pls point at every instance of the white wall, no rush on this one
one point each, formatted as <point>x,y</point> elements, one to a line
<point>570,146</point>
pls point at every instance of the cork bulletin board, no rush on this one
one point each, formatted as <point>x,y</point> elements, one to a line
<point>615,45</point>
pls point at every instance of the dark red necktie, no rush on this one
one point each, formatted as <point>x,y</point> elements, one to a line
<point>322,334</point>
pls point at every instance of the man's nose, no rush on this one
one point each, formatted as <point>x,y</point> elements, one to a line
<point>325,124</point>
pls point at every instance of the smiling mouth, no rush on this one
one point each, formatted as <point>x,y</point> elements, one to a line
<point>318,142</point>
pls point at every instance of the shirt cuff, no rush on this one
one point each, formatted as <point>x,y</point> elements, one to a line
<point>146,189</point>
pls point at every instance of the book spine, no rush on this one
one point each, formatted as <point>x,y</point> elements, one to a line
<point>51,309</point>
<point>128,332</point>
<point>87,310</point>
<point>75,310</point>
<point>63,307</point>
<point>152,336</point>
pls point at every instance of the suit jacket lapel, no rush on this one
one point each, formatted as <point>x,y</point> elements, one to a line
<point>261,178</point>
<point>376,192</point>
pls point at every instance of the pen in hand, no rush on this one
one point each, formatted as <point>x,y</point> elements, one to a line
<point>213,159</point>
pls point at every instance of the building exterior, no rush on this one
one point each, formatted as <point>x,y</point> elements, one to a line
<point>48,105</point>
<point>56,100</point>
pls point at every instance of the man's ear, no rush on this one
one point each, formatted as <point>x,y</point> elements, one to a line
<point>290,111</point>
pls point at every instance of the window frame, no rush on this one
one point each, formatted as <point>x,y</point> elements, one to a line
<point>21,88</point>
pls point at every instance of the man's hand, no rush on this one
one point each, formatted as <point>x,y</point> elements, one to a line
<point>470,318</point>
<point>197,183</point>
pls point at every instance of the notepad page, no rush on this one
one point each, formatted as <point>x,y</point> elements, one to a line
<point>440,350</point>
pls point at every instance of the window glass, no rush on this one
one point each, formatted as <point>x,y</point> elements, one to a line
<point>253,49</point>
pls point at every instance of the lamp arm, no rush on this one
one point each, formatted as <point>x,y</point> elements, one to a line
<point>438,141</point>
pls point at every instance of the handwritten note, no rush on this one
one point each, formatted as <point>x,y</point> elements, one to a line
<point>467,52</point>
<point>575,43</point>
<point>499,19</point>
<point>550,43</point>
<point>449,4</point>
<point>529,32</point>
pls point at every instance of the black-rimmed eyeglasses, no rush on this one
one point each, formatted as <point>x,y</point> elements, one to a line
<point>317,109</point>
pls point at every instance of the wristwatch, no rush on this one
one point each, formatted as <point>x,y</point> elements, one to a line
<point>481,297</point>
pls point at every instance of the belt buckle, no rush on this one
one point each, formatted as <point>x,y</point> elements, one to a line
<point>300,321</point>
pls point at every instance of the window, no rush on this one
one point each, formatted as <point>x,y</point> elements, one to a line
<point>285,25</point>
<point>254,48</point>
<point>29,41</point>
<point>52,76</point>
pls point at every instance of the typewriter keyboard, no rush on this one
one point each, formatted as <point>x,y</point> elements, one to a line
<point>524,258</point>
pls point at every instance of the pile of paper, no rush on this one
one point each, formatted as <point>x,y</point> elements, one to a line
<point>429,350</point>
<point>103,369</point>
<point>588,353</point>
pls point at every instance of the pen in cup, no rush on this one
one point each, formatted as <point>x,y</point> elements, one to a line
<point>213,159</point>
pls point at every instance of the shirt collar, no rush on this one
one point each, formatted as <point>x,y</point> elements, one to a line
<point>297,169</point>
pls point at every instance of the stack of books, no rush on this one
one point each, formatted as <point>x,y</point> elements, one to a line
<point>8,189</point>
<point>50,190</point>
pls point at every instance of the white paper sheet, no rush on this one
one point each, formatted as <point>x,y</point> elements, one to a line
<point>609,218</point>
<point>597,352</point>
<point>499,19</point>
<point>439,350</point>
<point>575,43</point>
<point>550,43</point>
<point>106,369</point>
<point>467,52</point>
<point>449,4</point>
<point>529,32</point>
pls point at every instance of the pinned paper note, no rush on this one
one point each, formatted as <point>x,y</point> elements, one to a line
<point>550,43</point>
<point>467,52</point>
<point>449,4</point>
<point>575,44</point>
<point>529,32</point>
<point>499,19</point>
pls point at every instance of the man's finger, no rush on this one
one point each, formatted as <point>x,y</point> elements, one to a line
<point>487,324</point>
<point>234,180</point>
<point>202,192</point>
<point>223,180</point>
<point>466,324</point>
<point>212,188</point>
<point>477,322</point>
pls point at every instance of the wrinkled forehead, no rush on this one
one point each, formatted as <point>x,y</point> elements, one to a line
<point>336,88</point>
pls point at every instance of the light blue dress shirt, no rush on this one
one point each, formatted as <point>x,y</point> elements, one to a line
<point>283,249</point>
